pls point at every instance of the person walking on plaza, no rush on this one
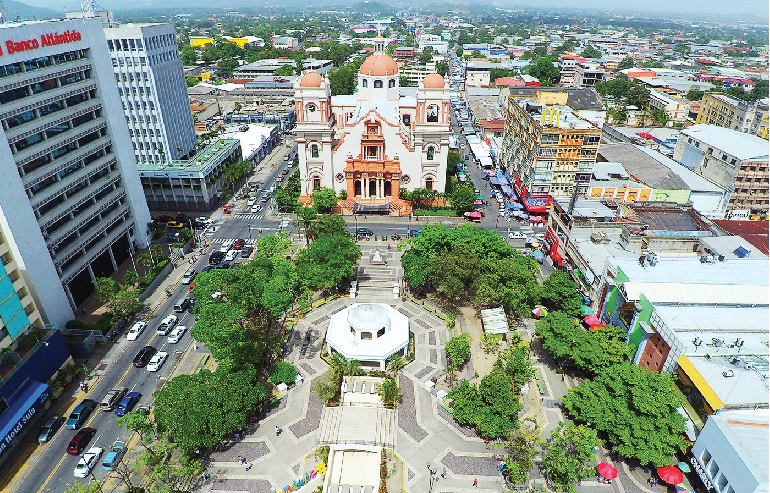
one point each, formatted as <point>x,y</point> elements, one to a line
<point>475,483</point>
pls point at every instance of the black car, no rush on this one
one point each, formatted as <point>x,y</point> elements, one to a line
<point>364,232</point>
<point>144,356</point>
<point>246,251</point>
<point>50,428</point>
<point>80,414</point>
<point>208,268</point>
<point>216,258</point>
<point>223,265</point>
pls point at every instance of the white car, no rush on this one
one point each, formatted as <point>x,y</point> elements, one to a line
<point>255,208</point>
<point>88,462</point>
<point>227,245</point>
<point>516,235</point>
<point>231,255</point>
<point>166,325</point>
<point>176,334</point>
<point>251,201</point>
<point>157,361</point>
<point>136,330</point>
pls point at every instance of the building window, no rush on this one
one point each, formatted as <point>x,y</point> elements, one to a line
<point>365,83</point>
<point>314,151</point>
<point>431,153</point>
<point>429,183</point>
<point>407,119</point>
<point>431,114</point>
<point>378,84</point>
<point>392,83</point>
<point>316,183</point>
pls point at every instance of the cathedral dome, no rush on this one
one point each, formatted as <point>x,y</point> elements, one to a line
<point>379,65</point>
<point>433,81</point>
<point>311,79</point>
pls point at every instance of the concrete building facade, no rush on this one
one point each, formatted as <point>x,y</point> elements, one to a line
<point>547,146</point>
<point>151,85</point>
<point>72,206</point>
<point>725,111</point>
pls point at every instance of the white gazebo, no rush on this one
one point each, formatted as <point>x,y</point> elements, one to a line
<point>369,333</point>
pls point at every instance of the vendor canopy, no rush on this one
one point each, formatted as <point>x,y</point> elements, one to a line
<point>494,321</point>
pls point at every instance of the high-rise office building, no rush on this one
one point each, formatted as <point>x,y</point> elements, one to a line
<point>145,58</point>
<point>72,205</point>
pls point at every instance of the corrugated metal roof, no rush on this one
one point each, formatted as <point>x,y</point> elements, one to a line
<point>642,166</point>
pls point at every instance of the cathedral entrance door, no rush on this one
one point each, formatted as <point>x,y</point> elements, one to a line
<point>372,188</point>
<point>357,188</point>
<point>388,188</point>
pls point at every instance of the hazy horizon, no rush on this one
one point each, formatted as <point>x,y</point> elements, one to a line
<point>698,8</point>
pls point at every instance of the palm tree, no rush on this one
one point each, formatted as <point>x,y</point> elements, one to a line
<point>389,392</point>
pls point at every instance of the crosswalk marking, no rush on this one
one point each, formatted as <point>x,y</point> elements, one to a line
<point>252,241</point>
<point>250,216</point>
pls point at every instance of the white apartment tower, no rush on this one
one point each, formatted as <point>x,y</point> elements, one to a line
<point>71,205</point>
<point>145,58</point>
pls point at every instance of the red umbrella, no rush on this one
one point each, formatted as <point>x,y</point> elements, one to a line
<point>607,470</point>
<point>670,474</point>
<point>592,320</point>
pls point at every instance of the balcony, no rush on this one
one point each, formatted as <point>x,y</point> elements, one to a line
<point>97,249</point>
<point>44,172</point>
<point>85,216</point>
<point>67,253</point>
<point>64,186</point>
<point>31,102</point>
<point>66,208</point>
<point>42,123</point>
<point>49,145</point>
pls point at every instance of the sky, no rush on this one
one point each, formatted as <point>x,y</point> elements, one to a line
<point>758,8</point>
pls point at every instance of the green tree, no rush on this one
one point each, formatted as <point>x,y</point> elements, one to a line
<point>517,364</point>
<point>426,56</point>
<point>635,408</point>
<point>342,79</point>
<point>328,261</point>
<point>462,198</point>
<point>389,392</point>
<point>199,410</point>
<point>543,70</point>
<point>188,56</point>
<point>560,292</point>
<point>491,407</point>
<point>283,372</point>
<point>284,70</point>
<point>625,63</point>
<point>307,217</point>
<point>591,51</point>
<point>191,81</point>
<point>569,456</point>
<point>122,301</point>
<point>694,94</point>
<point>458,350</point>
<point>324,199</point>
<point>330,225</point>
<point>442,67</point>
<point>661,117</point>
<point>453,158</point>
<point>522,450</point>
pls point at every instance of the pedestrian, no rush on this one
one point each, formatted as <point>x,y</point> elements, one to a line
<point>83,311</point>
<point>238,437</point>
<point>443,473</point>
<point>241,459</point>
<point>475,483</point>
<point>277,431</point>
<point>486,442</point>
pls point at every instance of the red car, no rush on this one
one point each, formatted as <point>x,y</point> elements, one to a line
<point>238,244</point>
<point>80,440</point>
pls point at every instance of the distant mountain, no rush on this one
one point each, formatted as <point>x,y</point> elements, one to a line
<point>24,12</point>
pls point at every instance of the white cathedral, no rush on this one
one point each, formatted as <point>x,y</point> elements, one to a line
<point>374,142</point>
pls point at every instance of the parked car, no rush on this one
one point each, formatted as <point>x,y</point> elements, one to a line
<point>176,334</point>
<point>364,232</point>
<point>157,361</point>
<point>255,208</point>
<point>166,325</point>
<point>265,197</point>
<point>144,356</point>
<point>87,463</point>
<point>189,276</point>
<point>112,398</point>
<point>175,225</point>
<point>136,330</point>
<point>114,456</point>
<point>251,201</point>
<point>540,236</point>
<point>231,255</point>
<point>127,403</point>
<point>216,257</point>
<point>247,251</point>
<point>50,428</point>
<point>238,244</point>
<point>79,415</point>
<point>80,440</point>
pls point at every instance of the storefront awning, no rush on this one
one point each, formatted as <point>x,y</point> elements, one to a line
<point>371,209</point>
<point>700,383</point>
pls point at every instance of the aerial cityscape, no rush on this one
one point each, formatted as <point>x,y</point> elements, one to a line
<point>373,247</point>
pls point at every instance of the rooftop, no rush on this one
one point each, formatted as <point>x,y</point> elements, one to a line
<point>741,145</point>
<point>755,232</point>
<point>691,179</point>
<point>689,270</point>
<point>746,319</point>
<point>579,99</point>
<point>202,162</point>
<point>747,432</point>
<point>743,388</point>
<point>666,217</point>
<point>641,166</point>
<point>567,119</point>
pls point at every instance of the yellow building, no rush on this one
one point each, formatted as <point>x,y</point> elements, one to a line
<point>725,111</point>
<point>200,41</point>
<point>547,146</point>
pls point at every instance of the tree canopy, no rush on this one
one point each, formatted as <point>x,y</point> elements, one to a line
<point>591,51</point>
<point>328,261</point>
<point>635,408</point>
<point>569,456</point>
<point>491,406</point>
<point>324,199</point>
<point>543,69</point>
<point>561,293</point>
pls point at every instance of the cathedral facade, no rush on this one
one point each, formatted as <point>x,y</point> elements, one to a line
<point>375,142</point>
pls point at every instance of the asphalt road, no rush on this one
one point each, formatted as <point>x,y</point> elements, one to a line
<point>51,470</point>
